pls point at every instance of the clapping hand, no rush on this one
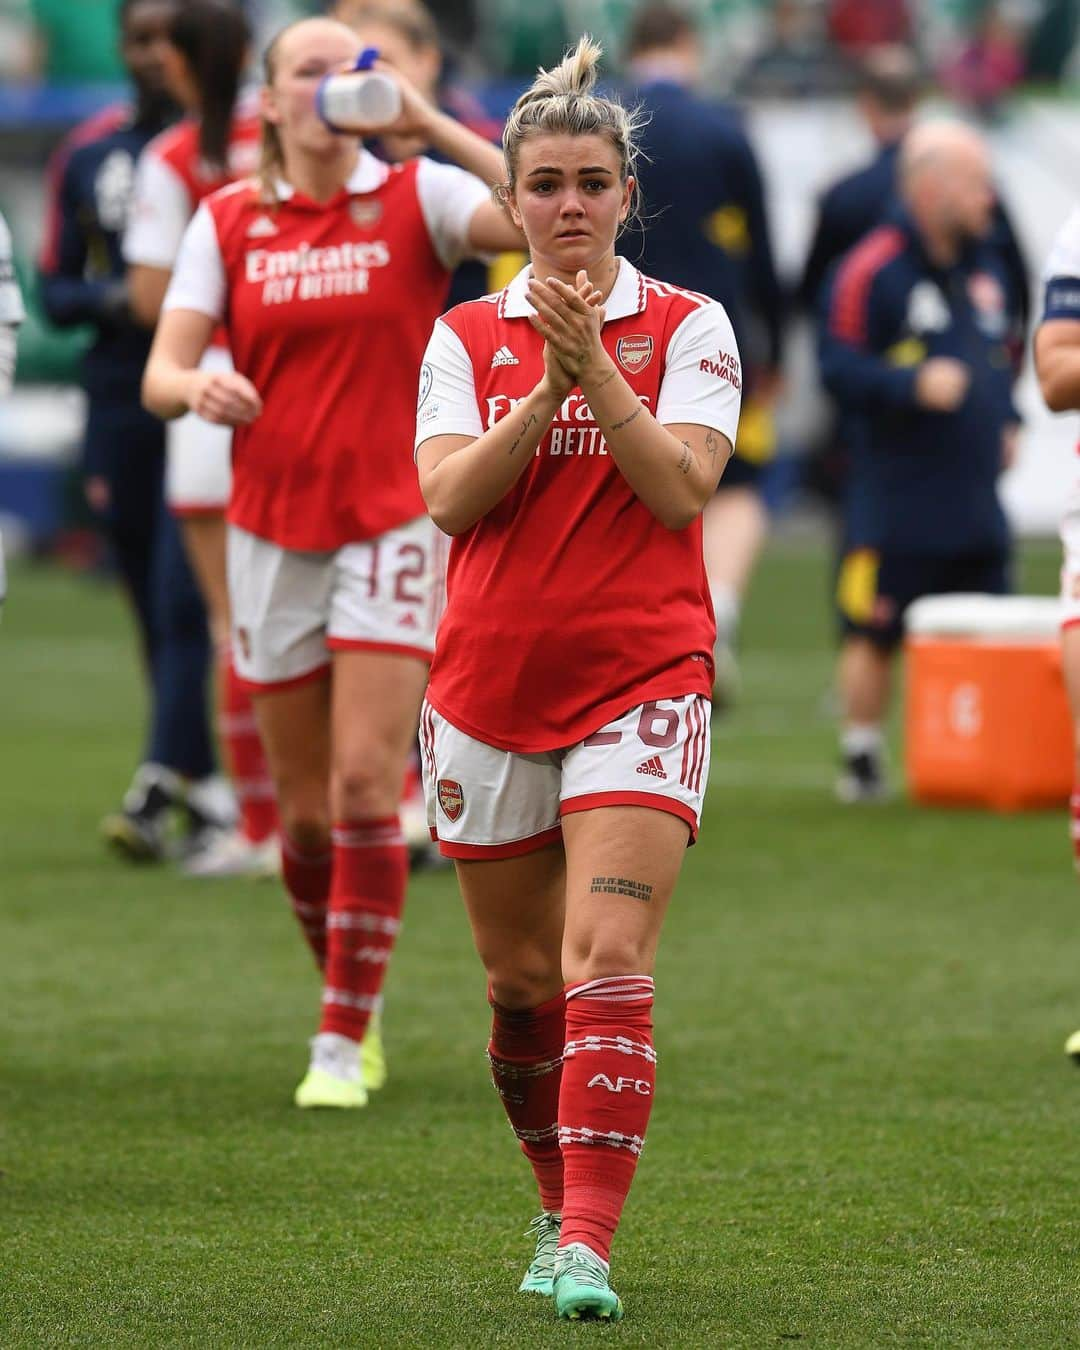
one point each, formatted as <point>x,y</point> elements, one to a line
<point>569,319</point>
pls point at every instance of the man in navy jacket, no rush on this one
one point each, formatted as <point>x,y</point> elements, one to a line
<point>887,99</point>
<point>916,346</point>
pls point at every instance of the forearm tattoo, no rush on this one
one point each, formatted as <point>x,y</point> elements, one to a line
<point>711,444</point>
<point>686,459</point>
<point>617,426</point>
<point>636,890</point>
<point>529,422</point>
<point>607,379</point>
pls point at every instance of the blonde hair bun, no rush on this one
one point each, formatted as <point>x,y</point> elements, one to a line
<point>560,101</point>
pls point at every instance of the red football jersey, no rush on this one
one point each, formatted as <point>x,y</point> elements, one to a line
<point>569,603</point>
<point>327,308</point>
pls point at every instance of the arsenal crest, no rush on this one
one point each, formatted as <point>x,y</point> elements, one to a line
<point>365,213</point>
<point>451,798</point>
<point>634,353</point>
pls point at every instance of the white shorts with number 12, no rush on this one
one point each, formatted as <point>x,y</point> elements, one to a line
<point>290,610</point>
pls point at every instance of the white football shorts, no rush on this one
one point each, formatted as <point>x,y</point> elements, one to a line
<point>1070,563</point>
<point>198,455</point>
<point>489,803</point>
<point>291,609</point>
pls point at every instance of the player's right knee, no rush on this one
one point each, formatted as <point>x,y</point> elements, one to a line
<point>308,830</point>
<point>524,986</point>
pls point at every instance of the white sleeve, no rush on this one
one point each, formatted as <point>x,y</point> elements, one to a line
<point>1064,259</point>
<point>160,210</point>
<point>448,200</point>
<point>7,358</point>
<point>446,405</point>
<point>702,380</point>
<point>11,304</point>
<point>198,279</point>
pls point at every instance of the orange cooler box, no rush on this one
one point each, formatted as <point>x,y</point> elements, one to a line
<point>987,722</point>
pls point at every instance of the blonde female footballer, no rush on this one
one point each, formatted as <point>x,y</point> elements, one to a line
<point>570,431</point>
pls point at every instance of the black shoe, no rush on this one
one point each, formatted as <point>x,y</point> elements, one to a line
<point>862,778</point>
<point>139,831</point>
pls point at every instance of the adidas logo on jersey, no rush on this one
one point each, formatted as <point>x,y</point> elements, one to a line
<point>654,767</point>
<point>504,357</point>
<point>262,227</point>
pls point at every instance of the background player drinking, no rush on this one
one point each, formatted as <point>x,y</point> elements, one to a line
<point>329,271</point>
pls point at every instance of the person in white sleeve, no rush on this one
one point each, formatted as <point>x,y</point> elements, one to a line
<point>328,271</point>
<point>1057,365</point>
<point>12,315</point>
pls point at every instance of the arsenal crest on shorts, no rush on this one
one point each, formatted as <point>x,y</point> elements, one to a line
<point>634,352</point>
<point>451,798</point>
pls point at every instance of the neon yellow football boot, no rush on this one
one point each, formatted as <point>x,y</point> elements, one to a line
<point>372,1055</point>
<point>333,1078</point>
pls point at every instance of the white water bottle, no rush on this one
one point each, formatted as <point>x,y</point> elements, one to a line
<point>360,99</point>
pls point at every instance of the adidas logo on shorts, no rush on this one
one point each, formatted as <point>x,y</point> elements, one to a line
<point>654,767</point>
<point>504,357</point>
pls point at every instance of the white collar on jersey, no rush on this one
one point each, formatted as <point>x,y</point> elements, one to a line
<point>370,173</point>
<point>627,295</point>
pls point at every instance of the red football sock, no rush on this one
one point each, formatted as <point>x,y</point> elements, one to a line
<point>307,880</point>
<point>367,895</point>
<point>243,753</point>
<point>525,1053</point>
<point>1074,818</point>
<point>609,1074</point>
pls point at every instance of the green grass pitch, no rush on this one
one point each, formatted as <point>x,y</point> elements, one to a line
<point>865,1132</point>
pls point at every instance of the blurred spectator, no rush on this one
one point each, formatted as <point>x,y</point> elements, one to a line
<point>79,41</point>
<point>708,231</point>
<point>20,53</point>
<point>1052,40</point>
<point>796,59</point>
<point>83,281</point>
<point>988,65</point>
<point>855,25</point>
<point>914,348</point>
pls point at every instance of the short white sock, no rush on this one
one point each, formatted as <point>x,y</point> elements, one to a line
<point>336,1054</point>
<point>584,1246</point>
<point>861,738</point>
<point>725,603</point>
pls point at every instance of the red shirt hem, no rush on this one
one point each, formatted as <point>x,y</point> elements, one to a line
<point>653,692</point>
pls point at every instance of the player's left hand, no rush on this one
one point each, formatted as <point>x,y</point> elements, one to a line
<point>569,318</point>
